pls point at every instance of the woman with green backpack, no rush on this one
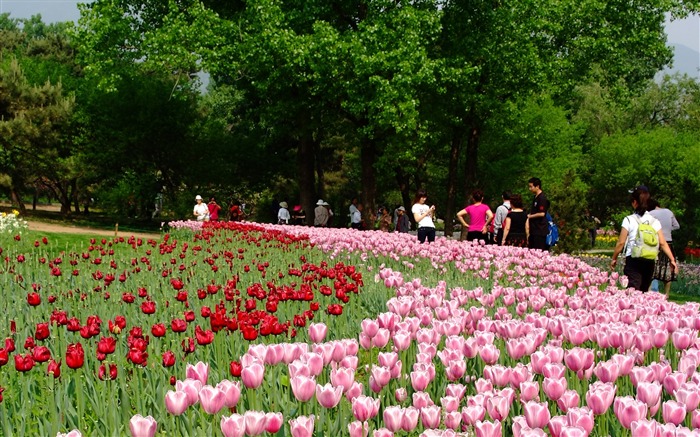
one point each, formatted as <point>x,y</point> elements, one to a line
<point>641,238</point>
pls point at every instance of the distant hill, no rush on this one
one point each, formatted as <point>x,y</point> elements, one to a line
<point>685,61</point>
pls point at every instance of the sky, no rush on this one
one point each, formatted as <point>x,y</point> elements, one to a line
<point>680,32</point>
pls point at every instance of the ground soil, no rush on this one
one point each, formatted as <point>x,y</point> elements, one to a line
<point>67,229</point>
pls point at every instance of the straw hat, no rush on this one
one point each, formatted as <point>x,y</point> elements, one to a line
<point>284,205</point>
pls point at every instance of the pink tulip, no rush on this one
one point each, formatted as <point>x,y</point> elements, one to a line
<point>199,371</point>
<point>364,408</point>
<point>233,426</point>
<point>695,419</point>
<point>683,338</point>
<point>673,412</point>
<point>369,327</point>
<point>381,339</point>
<point>536,414</point>
<point>449,403</point>
<point>643,428</point>
<point>649,393</point>
<point>607,371</point>
<point>453,420</point>
<point>232,392</point>
<point>252,375</point>
<point>554,370</point>
<point>392,416</point>
<point>573,431</point>
<point>581,417</point>
<point>191,387</point>
<point>472,414</point>
<point>381,374</point>
<point>555,425</point>
<point>570,399</point>
<point>254,422</point>
<point>409,420</point>
<point>400,394</point>
<point>315,362</point>
<point>670,430</point>
<point>489,353</point>
<point>688,395</point>
<point>317,332</point>
<point>578,359</point>
<point>430,416</point>
<point>142,426</point>
<point>273,422</point>
<point>342,377</point>
<point>302,426</point>
<point>211,399</point>
<point>422,399</point>
<point>627,410</point>
<point>673,381</point>
<point>529,390</point>
<point>355,390</point>
<point>176,402</point>
<point>382,432</point>
<point>456,390</point>
<point>358,429</point>
<point>402,340</point>
<point>303,387</point>
<point>328,396</point>
<point>554,388</point>
<point>600,397</point>
<point>420,380</point>
<point>498,408</point>
<point>488,429</point>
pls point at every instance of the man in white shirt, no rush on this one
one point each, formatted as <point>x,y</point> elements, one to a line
<point>500,218</point>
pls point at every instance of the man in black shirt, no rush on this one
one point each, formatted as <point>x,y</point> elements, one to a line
<point>539,228</point>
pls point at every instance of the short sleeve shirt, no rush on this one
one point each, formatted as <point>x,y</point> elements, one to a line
<point>539,225</point>
<point>631,224</point>
<point>420,209</point>
<point>477,216</point>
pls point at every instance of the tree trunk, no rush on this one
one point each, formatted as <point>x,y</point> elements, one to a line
<point>320,179</point>
<point>305,164</point>
<point>404,183</point>
<point>470,167</point>
<point>368,157</point>
<point>17,200</point>
<point>450,211</point>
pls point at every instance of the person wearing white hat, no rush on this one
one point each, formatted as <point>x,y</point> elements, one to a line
<point>201,211</point>
<point>321,214</point>
<point>283,215</point>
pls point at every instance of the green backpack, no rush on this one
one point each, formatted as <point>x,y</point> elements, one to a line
<point>646,243</point>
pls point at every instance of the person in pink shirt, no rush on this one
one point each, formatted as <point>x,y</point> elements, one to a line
<point>478,217</point>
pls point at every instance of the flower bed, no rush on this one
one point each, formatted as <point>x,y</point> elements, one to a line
<point>244,329</point>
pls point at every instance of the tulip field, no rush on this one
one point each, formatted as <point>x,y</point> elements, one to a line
<point>243,329</point>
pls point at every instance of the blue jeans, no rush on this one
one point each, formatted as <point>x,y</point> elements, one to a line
<point>426,232</point>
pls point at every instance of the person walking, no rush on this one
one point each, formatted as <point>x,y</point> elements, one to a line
<point>214,209</point>
<point>515,225</point>
<point>423,215</point>
<point>321,214</point>
<point>662,270</point>
<point>539,227</point>
<point>201,211</point>
<point>403,224</point>
<point>283,215</point>
<point>500,216</point>
<point>479,215</point>
<point>639,270</point>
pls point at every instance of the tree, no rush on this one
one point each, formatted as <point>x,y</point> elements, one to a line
<point>31,120</point>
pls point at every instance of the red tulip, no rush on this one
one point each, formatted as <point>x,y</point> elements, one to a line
<point>177,284</point>
<point>148,307</point>
<point>106,345</point>
<point>158,330</point>
<point>168,359</point>
<point>178,325</point>
<point>41,354</point>
<point>4,357</point>
<point>9,345</point>
<point>203,337</point>
<point>235,368</point>
<point>75,356</point>
<point>42,331</point>
<point>24,363</point>
<point>54,368</point>
<point>33,299</point>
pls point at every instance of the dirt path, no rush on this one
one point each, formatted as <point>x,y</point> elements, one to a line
<point>65,229</point>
